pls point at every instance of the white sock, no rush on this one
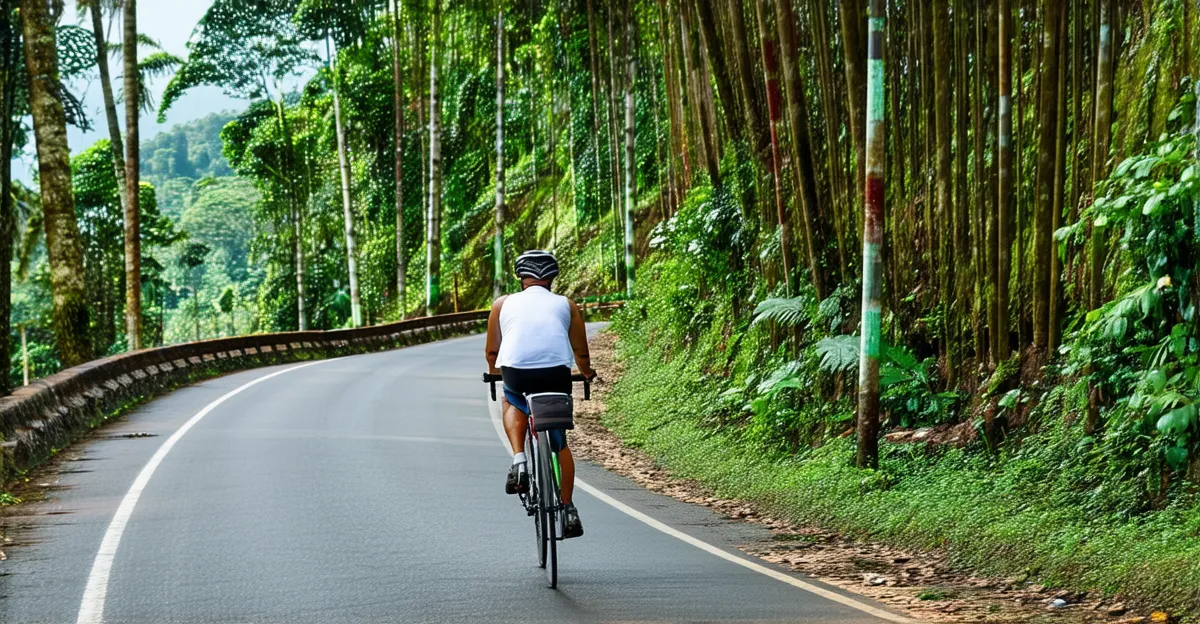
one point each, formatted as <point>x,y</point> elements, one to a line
<point>519,458</point>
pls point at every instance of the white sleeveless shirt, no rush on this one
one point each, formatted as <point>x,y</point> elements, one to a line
<point>534,328</point>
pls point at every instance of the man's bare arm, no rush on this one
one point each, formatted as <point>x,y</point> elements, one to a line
<point>579,344</point>
<point>492,346</point>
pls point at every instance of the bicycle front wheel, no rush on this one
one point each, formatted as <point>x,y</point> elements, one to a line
<point>548,507</point>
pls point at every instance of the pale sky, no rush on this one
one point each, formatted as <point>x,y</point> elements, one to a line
<point>170,22</point>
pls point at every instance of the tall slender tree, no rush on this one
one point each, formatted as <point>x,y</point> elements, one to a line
<point>133,216</point>
<point>356,316</point>
<point>872,294</point>
<point>71,315</point>
<point>499,273</point>
<point>1002,255</point>
<point>802,163</point>
<point>398,112</point>
<point>630,137</point>
<point>433,239</point>
<point>110,102</point>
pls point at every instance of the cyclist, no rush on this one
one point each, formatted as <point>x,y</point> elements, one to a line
<point>533,338</point>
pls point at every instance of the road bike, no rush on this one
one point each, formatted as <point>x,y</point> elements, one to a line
<point>551,414</point>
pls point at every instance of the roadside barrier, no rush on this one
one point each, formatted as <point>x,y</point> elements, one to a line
<point>53,412</point>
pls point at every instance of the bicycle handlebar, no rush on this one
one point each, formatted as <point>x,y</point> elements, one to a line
<point>491,379</point>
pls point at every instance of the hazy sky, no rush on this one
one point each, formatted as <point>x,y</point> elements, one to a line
<point>170,22</point>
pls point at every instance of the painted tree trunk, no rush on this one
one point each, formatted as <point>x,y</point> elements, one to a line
<point>873,215</point>
<point>498,250</point>
<point>398,110</point>
<point>116,143</point>
<point>133,215</point>
<point>1002,255</point>
<point>433,239</point>
<point>356,317</point>
<point>63,246</point>
<point>630,147</point>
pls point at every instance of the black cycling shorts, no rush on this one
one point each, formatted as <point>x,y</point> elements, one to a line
<point>519,382</point>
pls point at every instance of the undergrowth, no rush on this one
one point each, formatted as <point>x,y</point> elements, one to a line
<point>1020,512</point>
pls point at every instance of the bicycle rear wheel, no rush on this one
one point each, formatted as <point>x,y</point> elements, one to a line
<point>531,464</point>
<point>548,507</point>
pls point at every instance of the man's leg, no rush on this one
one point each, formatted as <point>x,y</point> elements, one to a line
<point>566,463</point>
<point>515,424</point>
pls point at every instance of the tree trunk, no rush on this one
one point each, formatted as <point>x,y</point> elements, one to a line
<point>133,216</point>
<point>750,94</point>
<point>288,158</point>
<point>398,109</point>
<point>802,164</point>
<point>499,272</point>
<point>708,148</point>
<point>1048,125</point>
<point>831,113</point>
<point>942,51</point>
<point>850,16</point>
<point>675,134</point>
<point>1054,296</point>
<point>1002,252</point>
<point>630,151</point>
<point>774,102</point>
<point>10,41</point>
<point>356,317</point>
<point>433,241</point>
<point>1101,137</point>
<point>868,372</point>
<point>116,143</point>
<point>716,58</point>
<point>71,316</point>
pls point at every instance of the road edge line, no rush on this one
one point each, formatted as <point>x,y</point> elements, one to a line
<point>497,423</point>
<point>95,593</point>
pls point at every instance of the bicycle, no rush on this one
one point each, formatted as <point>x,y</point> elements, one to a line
<point>549,412</point>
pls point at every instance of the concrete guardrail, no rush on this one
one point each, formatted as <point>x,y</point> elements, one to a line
<point>53,412</point>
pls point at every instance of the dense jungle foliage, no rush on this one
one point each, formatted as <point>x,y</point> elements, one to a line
<point>1035,161</point>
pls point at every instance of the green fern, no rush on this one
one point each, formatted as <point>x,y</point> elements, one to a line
<point>838,353</point>
<point>783,311</point>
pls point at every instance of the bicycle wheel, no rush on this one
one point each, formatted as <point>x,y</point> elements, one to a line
<point>548,503</point>
<point>531,465</point>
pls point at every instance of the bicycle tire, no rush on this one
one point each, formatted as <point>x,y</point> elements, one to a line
<point>531,465</point>
<point>548,502</point>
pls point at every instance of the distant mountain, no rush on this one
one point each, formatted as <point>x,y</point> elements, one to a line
<point>191,150</point>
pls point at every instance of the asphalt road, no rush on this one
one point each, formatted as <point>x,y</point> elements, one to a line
<point>363,489</point>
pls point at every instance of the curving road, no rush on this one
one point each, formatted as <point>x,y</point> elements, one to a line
<point>364,489</point>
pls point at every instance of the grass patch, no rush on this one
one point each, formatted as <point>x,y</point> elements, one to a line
<point>1020,512</point>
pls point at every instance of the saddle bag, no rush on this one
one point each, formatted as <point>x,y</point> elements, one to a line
<point>552,410</point>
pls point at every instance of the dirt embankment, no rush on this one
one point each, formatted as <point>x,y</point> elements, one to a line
<point>922,585</point>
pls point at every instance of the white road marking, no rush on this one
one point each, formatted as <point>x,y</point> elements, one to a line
<point>91,609</point>
<point>494,411</point>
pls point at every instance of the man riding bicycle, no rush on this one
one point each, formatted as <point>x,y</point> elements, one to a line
<point>533,338</point>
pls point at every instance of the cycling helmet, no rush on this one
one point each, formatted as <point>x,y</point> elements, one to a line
<point>537,264</point>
